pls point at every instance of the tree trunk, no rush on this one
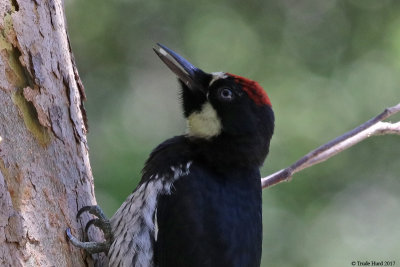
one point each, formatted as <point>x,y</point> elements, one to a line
<point>45,174</point>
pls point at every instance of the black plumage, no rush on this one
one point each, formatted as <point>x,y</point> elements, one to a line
<point>211,218</point>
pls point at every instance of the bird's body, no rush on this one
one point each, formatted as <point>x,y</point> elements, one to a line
<point>199,200</point>
<point>200,215</point>
<point>194,231</point>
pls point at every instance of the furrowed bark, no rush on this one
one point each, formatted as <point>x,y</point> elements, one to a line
<point>45,174</point>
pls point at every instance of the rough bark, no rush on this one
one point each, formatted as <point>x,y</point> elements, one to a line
<point>45,174</point>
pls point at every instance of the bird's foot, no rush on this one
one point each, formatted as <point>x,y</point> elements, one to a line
<point>100,222</point>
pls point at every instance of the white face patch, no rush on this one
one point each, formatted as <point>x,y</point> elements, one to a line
<point>217,76</point>
<point>204,123</point>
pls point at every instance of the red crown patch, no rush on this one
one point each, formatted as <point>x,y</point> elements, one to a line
<point>253,90</point>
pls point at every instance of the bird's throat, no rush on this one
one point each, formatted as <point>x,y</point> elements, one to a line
<point>205,123</point>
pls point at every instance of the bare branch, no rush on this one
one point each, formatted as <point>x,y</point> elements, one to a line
<point>373,127</point>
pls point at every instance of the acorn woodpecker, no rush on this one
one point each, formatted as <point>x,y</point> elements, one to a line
<point>199,200</point>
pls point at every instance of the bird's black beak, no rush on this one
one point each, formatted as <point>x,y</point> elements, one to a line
<point>185,71</point>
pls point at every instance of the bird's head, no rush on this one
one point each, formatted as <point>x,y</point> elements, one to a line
<point>221,104</point>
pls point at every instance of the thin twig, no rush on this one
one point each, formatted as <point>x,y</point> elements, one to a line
<point>373,127</point>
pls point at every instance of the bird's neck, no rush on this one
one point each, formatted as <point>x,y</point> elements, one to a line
<point>227,151</point>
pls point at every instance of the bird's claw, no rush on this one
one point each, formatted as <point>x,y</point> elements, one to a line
<point>100,222</point>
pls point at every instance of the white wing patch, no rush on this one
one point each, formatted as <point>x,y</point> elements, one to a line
<point>204,123</point>
<point>134,224</point>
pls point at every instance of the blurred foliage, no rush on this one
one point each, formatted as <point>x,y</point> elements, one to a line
<point>327,67</point>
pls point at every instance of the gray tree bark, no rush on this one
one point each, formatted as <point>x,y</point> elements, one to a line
<point>45,175</point>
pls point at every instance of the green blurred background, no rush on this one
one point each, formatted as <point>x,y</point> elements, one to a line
<point>327,67</point>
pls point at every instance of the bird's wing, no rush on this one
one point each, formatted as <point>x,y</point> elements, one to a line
<point>133,225</point>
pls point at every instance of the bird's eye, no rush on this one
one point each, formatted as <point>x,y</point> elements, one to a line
<point>225,94</point>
